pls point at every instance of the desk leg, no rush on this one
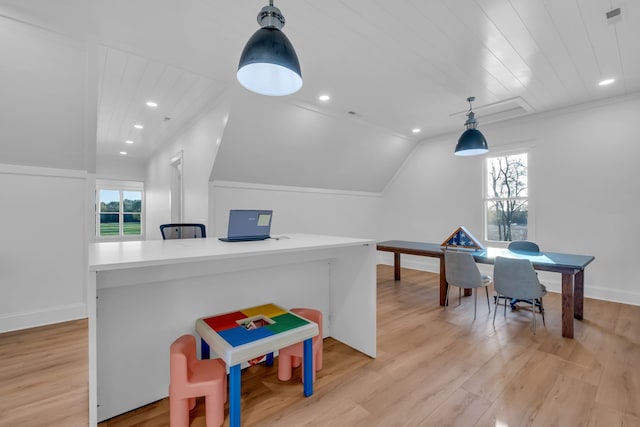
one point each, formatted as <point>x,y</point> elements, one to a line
<point>443,283</point>
<point>578,294</point>
<point>307,366</point>
<point>205,351</point>
<point>396,266</point>
<point>234,396</point>
<point>567,305</point>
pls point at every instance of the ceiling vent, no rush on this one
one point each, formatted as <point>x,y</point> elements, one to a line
<point>613,13</point>
<point>498,111</point>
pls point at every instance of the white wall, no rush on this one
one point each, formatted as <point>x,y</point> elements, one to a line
<point>43,259</point>
<point>48,127</point>
<point>199,144</point>
<point>585,193</point>
<point>297,209</point>
<point>121,168</point>
<point>44,97</point>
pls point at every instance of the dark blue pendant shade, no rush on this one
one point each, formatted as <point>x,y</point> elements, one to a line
<point>269,64</point>
<point>471,143</point>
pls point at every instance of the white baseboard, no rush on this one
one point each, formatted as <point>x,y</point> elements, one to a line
<point>17,321</point>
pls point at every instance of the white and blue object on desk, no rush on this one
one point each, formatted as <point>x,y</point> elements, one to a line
<point>247,225</point>
<point>462,239</point>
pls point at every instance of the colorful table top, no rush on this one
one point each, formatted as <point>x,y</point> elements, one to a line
<point>241,335</point>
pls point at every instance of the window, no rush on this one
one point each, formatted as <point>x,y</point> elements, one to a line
<point>119,211</point>
<point>506,198</point>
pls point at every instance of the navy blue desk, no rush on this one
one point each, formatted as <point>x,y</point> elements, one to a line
<point>569,265</point>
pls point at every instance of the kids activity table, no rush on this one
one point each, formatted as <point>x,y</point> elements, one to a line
<point>243,335</point>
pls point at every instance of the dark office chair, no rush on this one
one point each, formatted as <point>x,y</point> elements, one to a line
<point>516,278</point>
<point>182,231</point>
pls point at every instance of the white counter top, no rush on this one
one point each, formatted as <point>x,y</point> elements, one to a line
<point>147,293</point>
<point>117,255</point>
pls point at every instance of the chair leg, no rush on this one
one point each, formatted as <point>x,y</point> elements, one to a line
<point>494,316</point>
<point>214,410</point>
<point>533,313</point>
<point>318,359</point>
<point>284,367</point>
<point>296,361</point>
<point>542,311</point>
<point>446,299</point>
<point>178,412</point>
<point>486,290</point>
<point>475,302</point>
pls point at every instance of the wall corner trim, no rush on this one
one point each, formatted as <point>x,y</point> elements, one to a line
<point>271,187</point>
<point>42,171</point>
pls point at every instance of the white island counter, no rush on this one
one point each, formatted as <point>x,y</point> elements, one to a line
<point>143,295</point>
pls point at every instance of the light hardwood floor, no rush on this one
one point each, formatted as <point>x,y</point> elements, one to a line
<point>434,367</point>
<point>43,376</point>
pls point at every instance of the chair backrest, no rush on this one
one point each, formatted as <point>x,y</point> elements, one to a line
<point>524,246</point>
<point>461,269</point>
<point>313,315</point>
<point>182,231</point>
<point>182,356</point>
<point>516,278</point>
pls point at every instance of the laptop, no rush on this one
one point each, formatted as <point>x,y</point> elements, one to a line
<point>247,225</point>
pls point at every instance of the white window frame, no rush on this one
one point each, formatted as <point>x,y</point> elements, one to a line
<point>121,186</point>
<point>512,149</point>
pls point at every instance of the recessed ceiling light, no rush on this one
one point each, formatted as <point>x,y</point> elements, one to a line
<point>152,104</point>
<point>137,126</point>
<point>124,153</point>
<point>128,141</point>
<point>606,82</point>
<point>416,130</point>
<point>324,97</point>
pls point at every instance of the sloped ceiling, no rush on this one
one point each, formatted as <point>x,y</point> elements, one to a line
<point>275,141</point>
<point>396,65</point>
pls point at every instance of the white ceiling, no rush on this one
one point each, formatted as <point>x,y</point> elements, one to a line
<point>389,67</point>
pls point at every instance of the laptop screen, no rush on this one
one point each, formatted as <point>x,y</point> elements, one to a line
<point>249,224</point>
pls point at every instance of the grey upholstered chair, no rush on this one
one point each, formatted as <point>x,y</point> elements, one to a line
<point>517,279</point>
<point>461,271</point>
<point>524,246</point>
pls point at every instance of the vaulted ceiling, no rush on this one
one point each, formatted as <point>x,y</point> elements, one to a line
<point>389,67</point>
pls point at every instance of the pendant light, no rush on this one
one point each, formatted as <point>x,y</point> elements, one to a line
<point>472,142</point>
<point>269,64</point>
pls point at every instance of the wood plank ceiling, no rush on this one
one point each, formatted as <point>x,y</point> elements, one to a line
<point>392,65</point>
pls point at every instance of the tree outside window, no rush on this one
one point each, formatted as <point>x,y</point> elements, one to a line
<point>506,198</point>
<point>119,213</point>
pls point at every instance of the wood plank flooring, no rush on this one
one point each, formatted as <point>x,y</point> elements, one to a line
<point>435,367</point>
<point>43,376</point>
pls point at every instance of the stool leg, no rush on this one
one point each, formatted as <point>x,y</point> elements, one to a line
<point>284,367</point>
<point>296,361</point>
<point>319,357</point>
<point>178,412</point>
<point>214,409</point>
